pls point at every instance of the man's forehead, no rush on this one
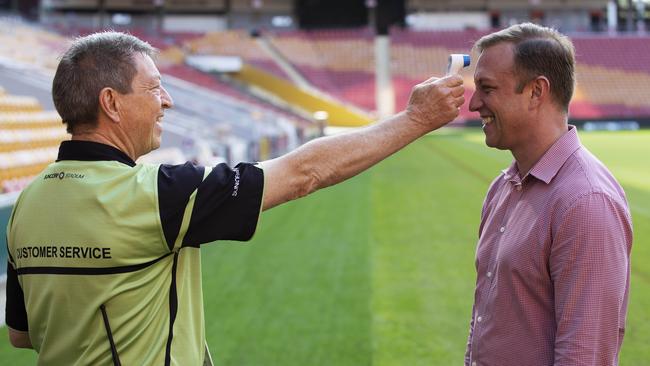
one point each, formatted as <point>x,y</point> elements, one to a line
<point>146,67</point>
<point>494,61</point>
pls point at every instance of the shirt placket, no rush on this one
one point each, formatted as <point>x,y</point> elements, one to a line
<point>515,190</point>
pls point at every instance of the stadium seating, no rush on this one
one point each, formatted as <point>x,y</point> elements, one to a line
<point>612,74</point>
<point>233,43</point>
<point>29,140</point>
<point>268,126</point>
<point>22,43</point>
<point>194,76</point>
<point>612,71</point>
<point>9,103</point>
<point>629,53</point>
<point>341,62</point>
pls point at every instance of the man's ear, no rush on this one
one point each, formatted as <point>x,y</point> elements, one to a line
<point>109,103</point>
<point>540,91</point>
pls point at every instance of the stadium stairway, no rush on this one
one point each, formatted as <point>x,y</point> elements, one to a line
<point>338,114</point>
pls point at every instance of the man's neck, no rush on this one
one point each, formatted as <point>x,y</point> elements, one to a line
<point>529,154</point>
<point>98,136</point>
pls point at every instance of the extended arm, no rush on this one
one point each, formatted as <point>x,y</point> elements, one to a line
<point>327,161</point>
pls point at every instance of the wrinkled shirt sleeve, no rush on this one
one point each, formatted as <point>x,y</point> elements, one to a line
<point>590,271</point>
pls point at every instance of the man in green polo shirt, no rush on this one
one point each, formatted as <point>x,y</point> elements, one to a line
<point>104,254</point>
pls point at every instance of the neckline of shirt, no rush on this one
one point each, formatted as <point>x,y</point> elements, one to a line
<point>92,151</point>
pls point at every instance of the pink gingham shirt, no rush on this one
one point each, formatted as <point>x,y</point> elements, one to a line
<point>553,264</point>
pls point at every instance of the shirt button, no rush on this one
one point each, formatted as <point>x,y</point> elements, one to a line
<point>519,188</point>
<point>489,274</point>
<point>479,319</point>
<point>502,229</point>
<point>474,363</point>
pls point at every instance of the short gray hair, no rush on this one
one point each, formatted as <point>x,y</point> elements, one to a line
<point>94,62</point>
<point>539,51</point>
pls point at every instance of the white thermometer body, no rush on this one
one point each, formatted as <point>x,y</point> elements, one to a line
<point>456,62</point>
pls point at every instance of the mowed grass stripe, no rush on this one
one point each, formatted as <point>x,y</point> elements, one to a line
<point>427,201</point>
<point>299,293</point>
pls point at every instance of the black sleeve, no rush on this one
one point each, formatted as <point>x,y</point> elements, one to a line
<point>15,312</point>
<point>175,185</point>
<point>226,207</point>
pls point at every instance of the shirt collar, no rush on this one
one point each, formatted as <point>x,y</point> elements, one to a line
<point>550,163</point>
<point>92,151</point>
<point>511,173</point>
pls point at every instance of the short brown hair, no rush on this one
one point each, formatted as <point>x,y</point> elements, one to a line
<point>93,62</point>
<point>539,51</point>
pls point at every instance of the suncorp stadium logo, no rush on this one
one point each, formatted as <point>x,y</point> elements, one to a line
<point>235,189</point>
<point>62,175</point>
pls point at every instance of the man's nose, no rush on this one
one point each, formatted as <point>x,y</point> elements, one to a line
<point>475,102</point>
<point>167,101</point>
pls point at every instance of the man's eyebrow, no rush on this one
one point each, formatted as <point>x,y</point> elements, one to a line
<point>156,79</point>
<point>482,80</point>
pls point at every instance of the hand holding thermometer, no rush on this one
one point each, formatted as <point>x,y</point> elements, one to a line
<point>456,62</point>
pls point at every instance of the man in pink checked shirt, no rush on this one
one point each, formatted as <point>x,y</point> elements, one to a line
<point>553,256</point>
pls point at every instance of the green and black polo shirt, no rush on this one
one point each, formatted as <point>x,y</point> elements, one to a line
<point>104,260</point>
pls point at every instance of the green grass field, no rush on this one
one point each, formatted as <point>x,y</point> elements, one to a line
<point>379,270</point>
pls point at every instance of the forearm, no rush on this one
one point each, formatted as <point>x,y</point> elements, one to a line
<point>330,160</point>
<point>334,159</point>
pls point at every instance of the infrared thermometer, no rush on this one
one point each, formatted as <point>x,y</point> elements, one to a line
<point>456,62</point>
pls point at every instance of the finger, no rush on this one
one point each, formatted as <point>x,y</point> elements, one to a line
<point>451,81</point>
<point>460,101</point>
<point>458,91</point>
<point>432,79</point>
